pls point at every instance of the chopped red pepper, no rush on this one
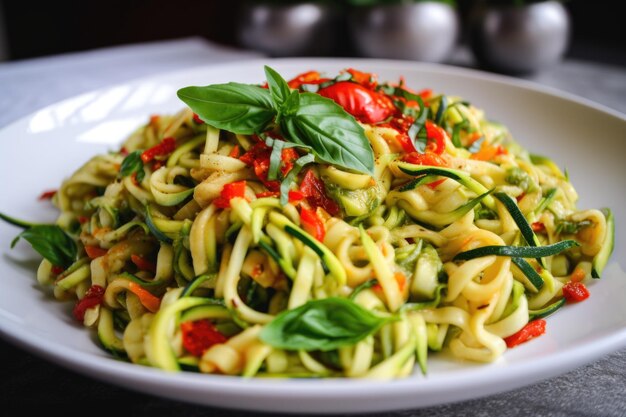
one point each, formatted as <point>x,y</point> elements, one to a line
<point>143,264</point>
<point>575,292</point>
<point>312,223</point>
<point>366,79</point>
<point>578,274</point>
<point>267,194</point>
<point>538,227</point>
<point>197,119</point>
<point>436,138</point>
<point>310,77</point>
<point>435,184</point>
<point>405,142</point>
<point>487,152</point>
<point>235,152</point>
<point>366,105</point>
<point>167,146</point>
<point>47,195</point>
<point>313,190</point>
<point>533,329</point>
<point>435,135</point>
<point>429,159</point>
<point>259,157</point>
<point>295,195</point>
<point>230,191</point>
<point>147,299</point>
<point>94,252</point>
<point>92,298</point>
<point>56,270</point>
<point>200,335</point>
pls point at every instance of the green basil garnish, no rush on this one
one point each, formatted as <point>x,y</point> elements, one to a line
<point>238,108</point>
<point>51,242</point>
<point>306,119</point>
<point>334,136</point>
<point>416,130</point>
<point>325,324</point>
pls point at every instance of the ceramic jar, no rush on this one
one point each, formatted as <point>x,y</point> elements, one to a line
<point>519,39</point>
<point>422,31</point>
<point>288,29</point>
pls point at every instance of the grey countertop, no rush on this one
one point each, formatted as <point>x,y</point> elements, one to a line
<point>30,384</point>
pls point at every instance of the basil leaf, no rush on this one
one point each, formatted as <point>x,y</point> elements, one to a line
<point>441,110</point>
<point>325,325</point>
<point>275,159</point>
<point>297,167</point>
<point>132,164</point>
<point>277,146</point>
<point>239,108</point>
<point>419,142</point>
<point>279,89</point>
<point>51,242</point>
<point>333,134</point>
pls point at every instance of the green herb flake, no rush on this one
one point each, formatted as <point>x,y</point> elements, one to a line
<point>132,164</point>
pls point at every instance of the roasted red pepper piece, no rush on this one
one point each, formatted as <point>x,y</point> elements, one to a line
<point>533,329</point>
<point>538,227</point>
<point>167,146</point>
<point>143,264</point>
<point>230,191</point>
<point>197,119</point>
<point>259,157</point>
<point>575,292</point>
<point>94,252</point>
<point>200,335</point>
<point>310,77</point>
<point>366,105</point>
<point>312,223</point>
<point>366,79</point>
<point>436,138</point>
<point>429,159</point>
<point>92,298</point>
<point>56,270</point>
<point>147,299</point>
<point>312,188</point>
<point>47,195</point>
<point>435,184</point>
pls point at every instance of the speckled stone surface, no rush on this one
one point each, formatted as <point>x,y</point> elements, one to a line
<point>30,385</point>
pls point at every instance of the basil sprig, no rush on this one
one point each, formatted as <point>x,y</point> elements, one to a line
<point>49,240</point>
<point>306,119</point>
<point>324,325</point>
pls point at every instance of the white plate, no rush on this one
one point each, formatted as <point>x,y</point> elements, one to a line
<point>40,150</point>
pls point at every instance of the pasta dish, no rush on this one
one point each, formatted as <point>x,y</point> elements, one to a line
<point>318,227</point>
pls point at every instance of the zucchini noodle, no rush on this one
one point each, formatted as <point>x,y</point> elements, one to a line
<point>197,255</point>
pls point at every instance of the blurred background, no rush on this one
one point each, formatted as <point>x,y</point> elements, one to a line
<point>344,28</point>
